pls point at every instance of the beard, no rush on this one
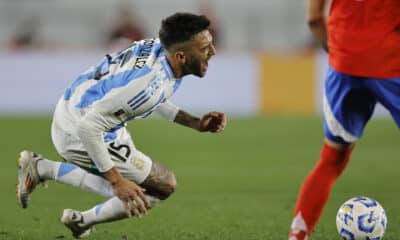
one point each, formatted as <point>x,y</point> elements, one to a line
<point>193,66</point>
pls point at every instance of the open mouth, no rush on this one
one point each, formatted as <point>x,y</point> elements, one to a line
<point>205,65</point>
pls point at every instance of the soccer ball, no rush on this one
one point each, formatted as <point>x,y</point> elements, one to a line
<point>361,218</point>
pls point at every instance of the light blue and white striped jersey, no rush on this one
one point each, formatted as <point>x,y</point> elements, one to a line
<point>127,85</point>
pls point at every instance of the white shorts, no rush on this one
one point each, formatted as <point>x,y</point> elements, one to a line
<point>130,162</point>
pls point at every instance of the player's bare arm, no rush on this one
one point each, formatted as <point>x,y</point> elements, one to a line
<point>211,122</point>
<point>317,21</point>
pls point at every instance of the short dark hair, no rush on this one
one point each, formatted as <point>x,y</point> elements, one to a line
<point>181,27</point>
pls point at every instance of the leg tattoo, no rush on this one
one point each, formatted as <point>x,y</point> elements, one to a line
<point>161,182</point>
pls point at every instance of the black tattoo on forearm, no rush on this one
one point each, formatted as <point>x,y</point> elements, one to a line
<point>186,119</point>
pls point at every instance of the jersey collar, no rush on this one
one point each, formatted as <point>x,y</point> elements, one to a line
<point>168,69</point>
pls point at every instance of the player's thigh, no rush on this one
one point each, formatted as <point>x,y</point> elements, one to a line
<point>136,167</point>
<point>71,149</point>
<point>140,168</point>
<point>348,106</point>
<point>158,180</point>
<point>130,162</point>
<point>387,92</point>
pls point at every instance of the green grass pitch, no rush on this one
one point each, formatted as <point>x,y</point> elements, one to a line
<point>238,185</point>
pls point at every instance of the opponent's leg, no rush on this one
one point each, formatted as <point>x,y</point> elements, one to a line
<point>348,105</point>
<point>315,190</point>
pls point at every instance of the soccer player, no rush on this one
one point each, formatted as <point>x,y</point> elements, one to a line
<point>362,38</point>
<point>89,124</point>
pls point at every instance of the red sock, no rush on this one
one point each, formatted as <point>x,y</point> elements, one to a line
<point>315,190</point>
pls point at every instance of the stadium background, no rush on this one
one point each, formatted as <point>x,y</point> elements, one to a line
<point>267,75</point>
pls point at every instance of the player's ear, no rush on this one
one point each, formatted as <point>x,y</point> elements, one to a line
<point>180,57</point>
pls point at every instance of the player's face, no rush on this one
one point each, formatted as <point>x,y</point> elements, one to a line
<point>201,50</point>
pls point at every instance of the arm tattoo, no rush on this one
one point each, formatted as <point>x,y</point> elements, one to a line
<point>187,120</point>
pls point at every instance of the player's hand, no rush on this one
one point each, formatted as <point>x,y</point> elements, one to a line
<point>213,122</point>
<point>131,195</point>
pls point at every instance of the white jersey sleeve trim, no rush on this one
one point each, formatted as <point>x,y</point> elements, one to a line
<point>167,110</point>
<point>90,131</point>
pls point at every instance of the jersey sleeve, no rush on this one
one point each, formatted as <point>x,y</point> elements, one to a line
<point>91,129</point>
<point>167,110</point>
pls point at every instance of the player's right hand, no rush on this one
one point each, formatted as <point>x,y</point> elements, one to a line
<point>214,122</point>
<point>132,196</point>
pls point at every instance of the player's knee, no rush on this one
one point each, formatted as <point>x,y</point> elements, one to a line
<point>161,182</point>
<point>168,187</point>
<point>172,183</point>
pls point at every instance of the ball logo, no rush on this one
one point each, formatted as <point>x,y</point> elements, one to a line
<point>367,222</point>
<point>368,202</point>
<point>346,234</point>
<point>346,214</point>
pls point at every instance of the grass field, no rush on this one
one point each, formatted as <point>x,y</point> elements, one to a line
<point>239,185</point>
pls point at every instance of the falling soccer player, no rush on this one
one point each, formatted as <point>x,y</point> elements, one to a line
<point>89,124</point>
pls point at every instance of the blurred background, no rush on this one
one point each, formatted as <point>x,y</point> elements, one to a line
<point>266,54</point>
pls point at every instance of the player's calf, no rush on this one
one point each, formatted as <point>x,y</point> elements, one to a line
<point>161,182</point>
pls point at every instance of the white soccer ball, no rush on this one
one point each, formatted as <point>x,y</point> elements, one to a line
<point>361,218</point>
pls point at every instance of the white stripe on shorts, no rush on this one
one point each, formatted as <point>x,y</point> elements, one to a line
<point>334,125</point>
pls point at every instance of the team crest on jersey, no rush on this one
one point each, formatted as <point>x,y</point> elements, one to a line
<point>138,163</point>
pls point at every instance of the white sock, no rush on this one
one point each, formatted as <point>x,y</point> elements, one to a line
<point>70,174</point>
<point>109,211</point>
<point>73,175</point>
<point>47,170</point>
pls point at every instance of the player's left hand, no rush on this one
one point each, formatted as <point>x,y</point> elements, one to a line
<point>213,122</point>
